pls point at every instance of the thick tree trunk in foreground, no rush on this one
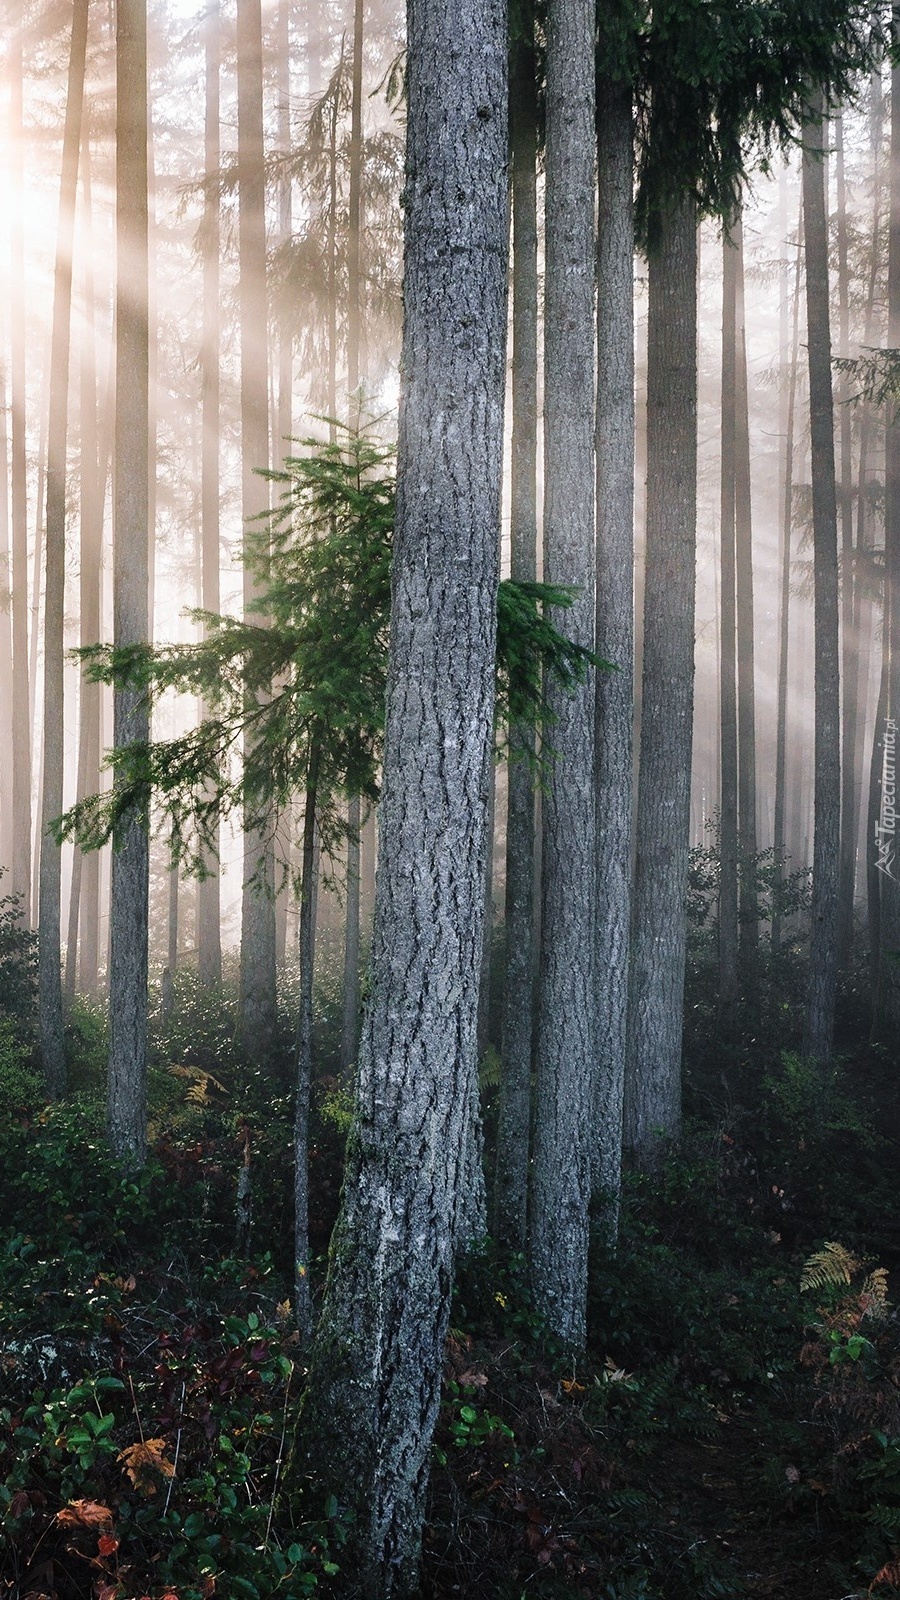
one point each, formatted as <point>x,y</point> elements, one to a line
<point>563,1154</point>
<point>50,999</point>
<point>827,759</point>
<point>514,1124</point>
<point>615,628</point>
<point>376,1365</point>
<point>127,1107</point>
<point>659,927</point>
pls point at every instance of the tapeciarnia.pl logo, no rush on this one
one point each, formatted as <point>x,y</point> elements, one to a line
<point>886,826</point>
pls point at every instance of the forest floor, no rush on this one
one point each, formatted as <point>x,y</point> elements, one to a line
<point>728,1433</point>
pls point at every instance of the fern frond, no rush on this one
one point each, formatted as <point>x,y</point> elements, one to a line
<point>885,1517</point>
<point>834,1264</point>
<point>873,1294</point>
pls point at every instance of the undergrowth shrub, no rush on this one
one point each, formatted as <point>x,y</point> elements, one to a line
<point>164,1477</point>
<point>853,1350</point>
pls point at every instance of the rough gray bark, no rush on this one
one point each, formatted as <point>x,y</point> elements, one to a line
<point>23,722</point>
<point>564,1114</point>
<point>827,802</point>
<point>779,832</point>
<point>656,994</point>
<point>127,1097</point>
<point>209,933</point>
<point>50,999</point>
<point>258,899</point>
<point>615,627</point>
<point>376,1364</point>
<point>728,734</point>
<point>514,1122</point>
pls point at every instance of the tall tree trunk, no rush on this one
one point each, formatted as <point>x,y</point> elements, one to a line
<point>849,640</point>
<point>306,942</point>
<point>887,989</point>
<point>6,652</point>
<point>746,704</point>
<point>863,620</point>
<point>50,1000</point>
<point>728,738</point>
<point>376,1365</point>
<point>22,723</point>
<point>659,928</point>
<point>89,919</point>
<point>127,1106</point>
<point>350,1014</point>
<point>513,1129</point>
<point>563,1154</point>
<point>787,518</point>
<point>826,837</point>
<point>283,415</point>
<point>209,915</point>
<point>258,903</point>
<point>615,627</point>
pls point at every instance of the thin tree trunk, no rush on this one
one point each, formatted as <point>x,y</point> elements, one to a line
<point>350,1013</point>
<point>22,723</point>
<point>514,1123</point>
<point>826,838</point>
<point>50,999</point>
<point>849,638</point>
<point>746,705</point>
<point>659,926</point>
<point>306,943</point>
<point>887,988</point>
<point>563,1153</point>
<point>484,982</point>
<point>283,415</point>
<point>863,624</point>
<point>6,652</point>
<point>615,628</point>
<point>258,901</point>
<point>728,738</point>
<point>376,1366</point>
<point>89,917</point>
<point>209,915</point>
<point>787,517</point>
<point>127,1106</point>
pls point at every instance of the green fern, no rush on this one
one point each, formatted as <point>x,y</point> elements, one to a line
<point>829,1267</point>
